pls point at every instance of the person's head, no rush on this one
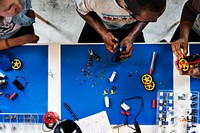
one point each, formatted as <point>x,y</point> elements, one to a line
<point>10,8</point>
<point>146,10</point>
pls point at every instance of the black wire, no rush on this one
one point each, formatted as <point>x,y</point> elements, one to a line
<point>142,104</point>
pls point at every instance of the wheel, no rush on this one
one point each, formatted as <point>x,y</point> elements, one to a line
<point>184,64</point>
<point>16,64</point>
<point>146,79</point>
<point>150,87</point>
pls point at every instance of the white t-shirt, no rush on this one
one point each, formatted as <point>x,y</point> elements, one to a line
<point>112,15</point>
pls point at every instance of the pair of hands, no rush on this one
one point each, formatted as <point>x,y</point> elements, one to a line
<point>180,49</point>
<point>112,43</point>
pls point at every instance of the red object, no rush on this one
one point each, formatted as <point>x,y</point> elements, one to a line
<point>125,113</point>
<point>150,71</point>
<point>153,103</point>
<point>13,96</point>
<point>50,117</point>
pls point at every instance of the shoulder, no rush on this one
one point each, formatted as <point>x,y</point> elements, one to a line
<point>193,5</point>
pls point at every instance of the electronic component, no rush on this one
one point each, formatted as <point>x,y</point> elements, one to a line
<point>125,106</point>
<point>18,85</point>
<point>13,96</point>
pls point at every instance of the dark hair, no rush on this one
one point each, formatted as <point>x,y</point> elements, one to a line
<point>137,6</point>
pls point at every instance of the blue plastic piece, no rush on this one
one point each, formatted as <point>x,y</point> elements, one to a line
<point>116,54</point>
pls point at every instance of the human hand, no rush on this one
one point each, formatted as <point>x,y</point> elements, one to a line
<point>129,48</point>
<point>111,43</point>
<point>179,44</point>
<point>193,70</point>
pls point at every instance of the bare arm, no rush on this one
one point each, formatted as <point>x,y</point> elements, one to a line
<point>137,29</point>
<point>128,41</point>
<point>12,42</point>
<point>95,21</point>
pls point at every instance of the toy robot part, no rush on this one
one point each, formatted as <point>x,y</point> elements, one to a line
<point>112,76</point>
<point>184,64</point>
<point>16,64</point>
<point>150,86</point>
<point>146,79</point>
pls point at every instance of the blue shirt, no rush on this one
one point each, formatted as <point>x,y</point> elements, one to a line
<point>12,24</point>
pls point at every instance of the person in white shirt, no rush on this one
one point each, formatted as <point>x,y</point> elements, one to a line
<point>117,22</point>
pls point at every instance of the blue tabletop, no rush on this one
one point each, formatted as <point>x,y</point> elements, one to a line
<point>82,87</point>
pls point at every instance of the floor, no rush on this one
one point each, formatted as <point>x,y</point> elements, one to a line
<point>63,24</point>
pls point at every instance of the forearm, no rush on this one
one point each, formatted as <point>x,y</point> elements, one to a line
<point>12,42</point>
<point>137,29</point>
<point>185,28</point>
<point>95,21</point>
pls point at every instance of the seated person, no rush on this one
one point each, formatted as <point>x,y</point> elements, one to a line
<point>117,22</point>
<point>188,31</point>
<point>16,23</point>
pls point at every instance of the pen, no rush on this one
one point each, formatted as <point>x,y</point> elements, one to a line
<point>70,110</point>
<point>152,63</point>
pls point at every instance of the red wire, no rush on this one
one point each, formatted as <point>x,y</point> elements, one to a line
<point>50,117</point>
<point>193,62</point>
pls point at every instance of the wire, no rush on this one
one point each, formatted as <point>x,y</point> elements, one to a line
<point>51,119</point>
<point>142,104</point>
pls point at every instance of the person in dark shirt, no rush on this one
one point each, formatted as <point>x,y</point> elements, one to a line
<point>188,31</point>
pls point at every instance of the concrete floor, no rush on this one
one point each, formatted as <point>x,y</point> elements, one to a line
<point>65,24</point>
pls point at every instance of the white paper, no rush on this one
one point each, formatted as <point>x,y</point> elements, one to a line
<point>97,123</point>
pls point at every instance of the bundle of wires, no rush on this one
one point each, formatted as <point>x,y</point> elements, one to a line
<point>51,120</point>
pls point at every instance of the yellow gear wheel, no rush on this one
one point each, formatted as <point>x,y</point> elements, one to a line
<point>16,64</point>
<point>150,86</point>
<point>184,64</point>
<point>146,79</point>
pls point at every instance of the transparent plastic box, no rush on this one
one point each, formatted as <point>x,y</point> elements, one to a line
<point>177,113</point>
<point>21,122</point>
